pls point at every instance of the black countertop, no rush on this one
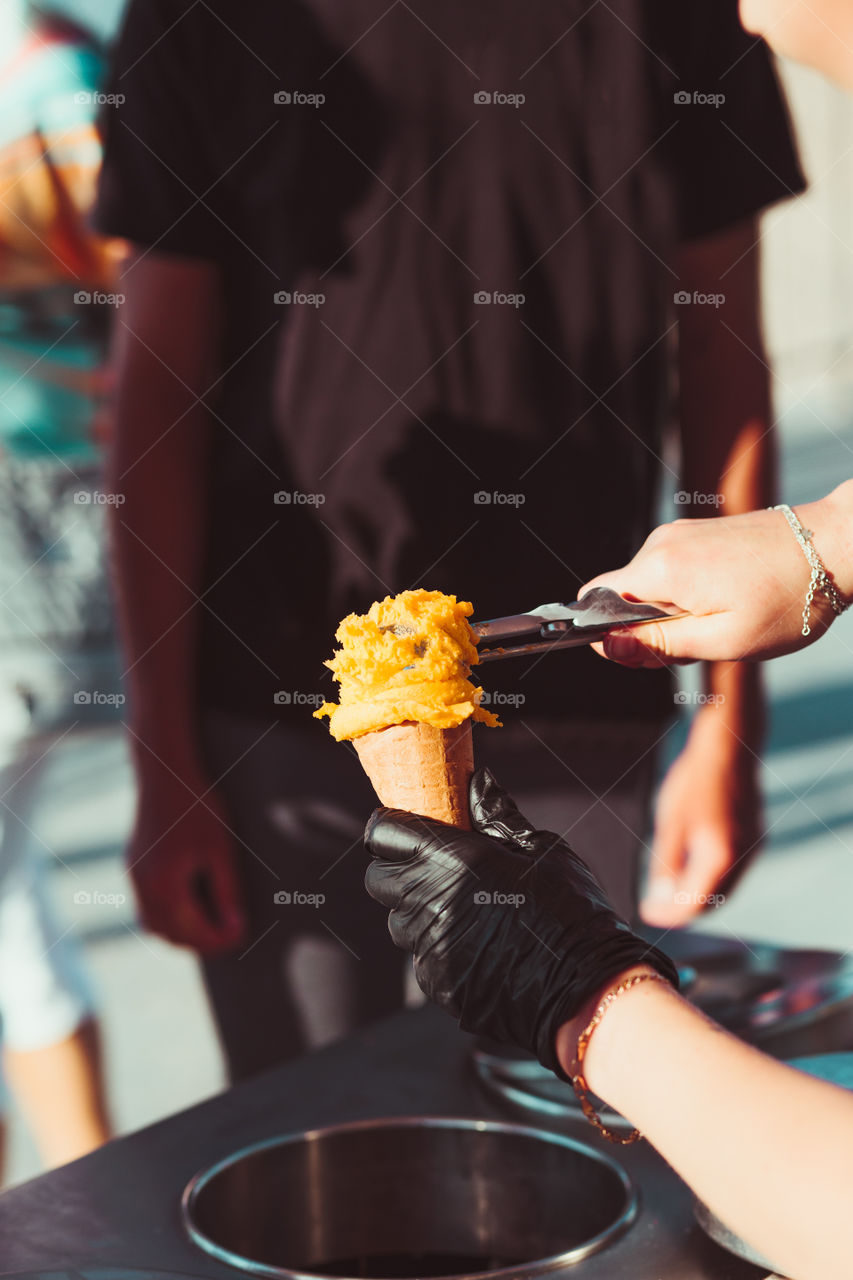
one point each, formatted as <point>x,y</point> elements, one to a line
<point>120,1206</point>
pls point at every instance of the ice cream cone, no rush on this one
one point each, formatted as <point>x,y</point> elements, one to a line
<point>421,769</point>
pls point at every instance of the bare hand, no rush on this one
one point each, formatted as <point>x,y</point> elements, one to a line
<point>707,824</point>
<point>741,579</point>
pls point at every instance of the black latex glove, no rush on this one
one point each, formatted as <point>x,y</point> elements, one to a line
<point>511,932</point>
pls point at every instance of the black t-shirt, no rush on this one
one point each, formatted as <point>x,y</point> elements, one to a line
<point>446,233</point>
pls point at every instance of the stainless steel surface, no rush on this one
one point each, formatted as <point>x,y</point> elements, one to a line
<point>726,1239</point>
<point>563,626</point>
<point>788,1002</point>
<point>837,1068</point>
<point>119,1207</point>
<point>521,1200</point>
<point>101,1273</point>
<point>530,1090</point>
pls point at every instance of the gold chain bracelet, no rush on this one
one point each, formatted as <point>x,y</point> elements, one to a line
<point>579,1083</point>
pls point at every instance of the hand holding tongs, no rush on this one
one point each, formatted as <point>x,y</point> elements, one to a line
<point>564,626</point>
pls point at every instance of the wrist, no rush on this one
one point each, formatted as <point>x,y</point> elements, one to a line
<point>570,1031</point>
<point>610,1059</point>
<point>167,772</point>
<point>162,733</point>
<point>723,729</point>
<point>831,522</point>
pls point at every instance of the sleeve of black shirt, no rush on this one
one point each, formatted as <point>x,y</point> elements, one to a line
<point>731,142</point>
<point>158,174</point>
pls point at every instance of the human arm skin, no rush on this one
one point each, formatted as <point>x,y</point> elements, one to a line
<point>708,816</point>
<point>766,1147</point>
<point>817,32</point>
<point>512,936</point>
<point>181,854</point>
<point>742,580</point>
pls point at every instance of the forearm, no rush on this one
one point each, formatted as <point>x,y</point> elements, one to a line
<point>727,438</point>
<point>165,356</point>
<point>831,521</point>
<point>765,1147</point>
<point>728,444</point>
<point>747,482</point>
<point>157,555</point>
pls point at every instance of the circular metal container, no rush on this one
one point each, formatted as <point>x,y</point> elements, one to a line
<point>417,1196</point>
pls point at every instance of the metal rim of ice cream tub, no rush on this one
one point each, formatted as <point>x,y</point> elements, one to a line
<point>534,1267</point>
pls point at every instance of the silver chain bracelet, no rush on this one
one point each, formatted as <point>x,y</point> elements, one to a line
<point>820,579</point>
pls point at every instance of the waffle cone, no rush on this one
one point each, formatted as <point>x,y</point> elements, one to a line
<point>421,769</point>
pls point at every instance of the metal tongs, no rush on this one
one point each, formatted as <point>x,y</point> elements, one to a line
<point>564,626</point>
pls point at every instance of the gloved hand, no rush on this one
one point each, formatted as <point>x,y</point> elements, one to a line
<point>511,932</point>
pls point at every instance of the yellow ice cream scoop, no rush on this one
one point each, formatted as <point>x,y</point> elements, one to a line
<point>407,660</point>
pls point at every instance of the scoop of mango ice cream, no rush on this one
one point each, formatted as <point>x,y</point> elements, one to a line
<point>408,658</point>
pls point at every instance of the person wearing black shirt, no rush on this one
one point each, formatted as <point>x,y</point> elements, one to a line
<point>407,289</point>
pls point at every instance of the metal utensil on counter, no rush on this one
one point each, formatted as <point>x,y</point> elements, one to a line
<point>837,1068</point>
<point>564,626</point>
<point>788,1002</point>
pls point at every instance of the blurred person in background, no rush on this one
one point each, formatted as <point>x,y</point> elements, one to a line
<point>750,593</point>
<point>742,581</point>
<point>49,1034</point>
<point>818,33</point>
<point>55,281</point>
<point>401,311</point>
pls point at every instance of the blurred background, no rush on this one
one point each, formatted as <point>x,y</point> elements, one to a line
<point>67,790</point>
